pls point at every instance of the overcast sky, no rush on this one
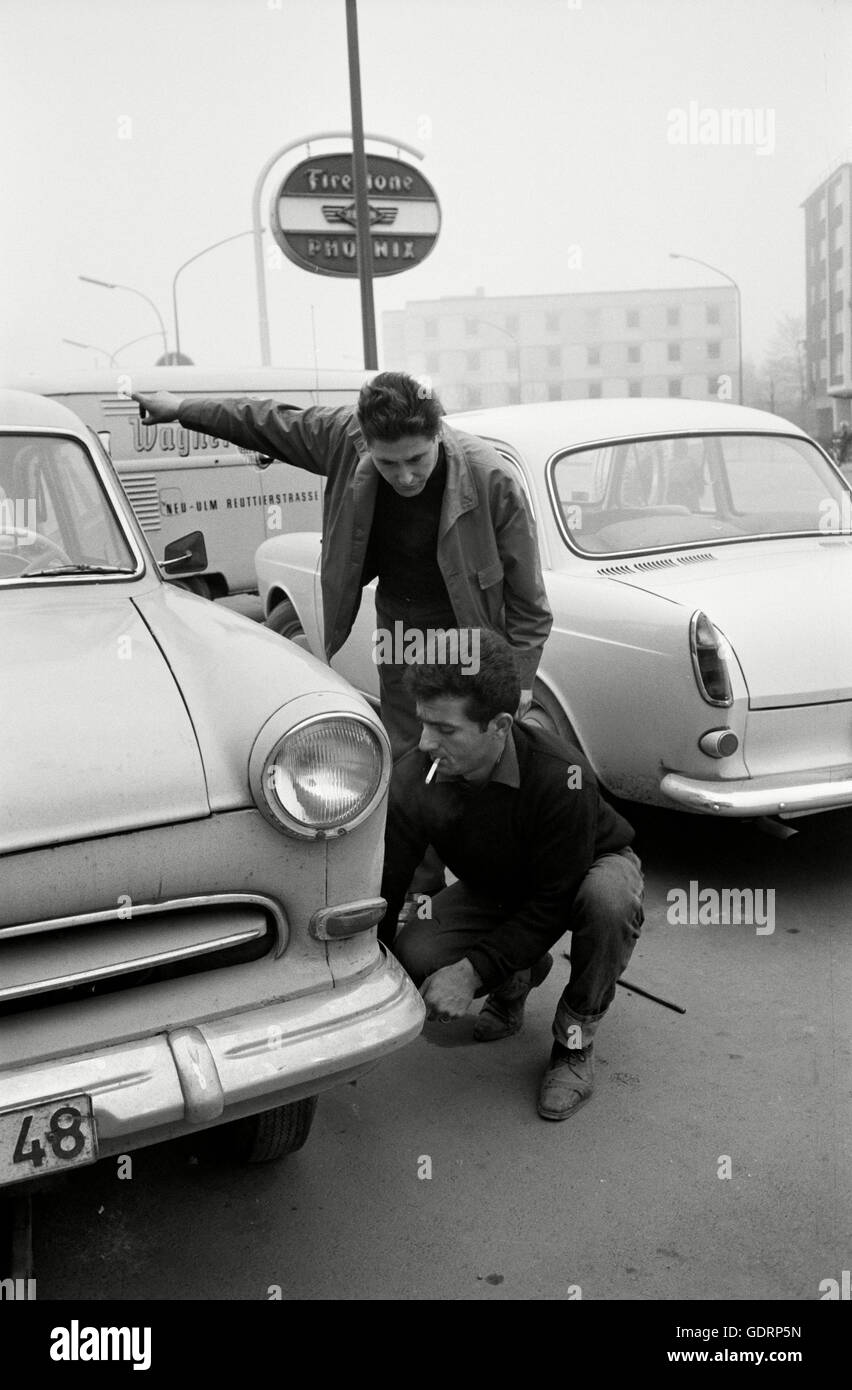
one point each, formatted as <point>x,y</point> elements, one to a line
<point>544,124</point>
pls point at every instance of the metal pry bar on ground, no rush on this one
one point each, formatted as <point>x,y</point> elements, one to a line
<point>646,994</point>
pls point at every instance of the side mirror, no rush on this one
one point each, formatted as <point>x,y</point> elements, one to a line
<point>187,555</point>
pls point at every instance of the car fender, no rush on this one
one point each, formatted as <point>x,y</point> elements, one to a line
<point>617,661</point>
<point>287,568</point>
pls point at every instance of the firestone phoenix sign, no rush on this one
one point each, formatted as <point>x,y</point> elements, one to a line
<point>313,217</point>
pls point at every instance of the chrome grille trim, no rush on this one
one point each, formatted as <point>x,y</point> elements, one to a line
<point>83,919</point>
<point>125,967</point>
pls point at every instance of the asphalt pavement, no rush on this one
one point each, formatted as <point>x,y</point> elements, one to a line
<point>434,1178</point>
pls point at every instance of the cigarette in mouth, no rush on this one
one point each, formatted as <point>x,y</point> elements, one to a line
<point>433,769</point>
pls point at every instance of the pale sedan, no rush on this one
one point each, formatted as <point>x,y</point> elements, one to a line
<point>698,561</point>
<point>191,839</point>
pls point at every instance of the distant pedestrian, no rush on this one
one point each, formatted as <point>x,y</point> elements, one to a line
<point>842,443</point>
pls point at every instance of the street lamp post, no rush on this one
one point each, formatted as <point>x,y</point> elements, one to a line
<point>676,256</point>
<point>144,338</point>
<point>486,323</point>
<point>93,347</point>
<point>181,268</point>
<point>110,285</point>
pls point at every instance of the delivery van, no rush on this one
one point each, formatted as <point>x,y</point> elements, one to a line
<point>178,480</point>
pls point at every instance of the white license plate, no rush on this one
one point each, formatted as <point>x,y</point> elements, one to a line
<point>39,1139</point>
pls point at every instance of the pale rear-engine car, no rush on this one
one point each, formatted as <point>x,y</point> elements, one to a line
<point>698,560</point>
<point>191,838</point>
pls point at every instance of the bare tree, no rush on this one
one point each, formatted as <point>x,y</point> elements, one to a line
<point>779,382</point>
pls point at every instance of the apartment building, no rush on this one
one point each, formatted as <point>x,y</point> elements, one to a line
<point>480,350</point>
<point>828,299</point>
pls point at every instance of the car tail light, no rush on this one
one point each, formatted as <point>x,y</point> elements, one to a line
<point>709,650</point>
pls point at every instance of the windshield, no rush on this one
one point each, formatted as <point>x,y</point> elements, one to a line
<point>55,518</point>
<point>650,494</point>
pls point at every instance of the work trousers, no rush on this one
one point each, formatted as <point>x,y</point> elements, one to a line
<point>396,706</point>
<point>605,920</point>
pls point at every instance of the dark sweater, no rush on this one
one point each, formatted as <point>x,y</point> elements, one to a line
<point>523,841</point>
<point>403,545</point>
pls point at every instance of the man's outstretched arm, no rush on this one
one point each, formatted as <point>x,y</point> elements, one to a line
<point>306,438</point>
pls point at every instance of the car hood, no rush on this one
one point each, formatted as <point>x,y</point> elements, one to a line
<point>94,735</point>
<point>784,606</point>
<point>235,674</point>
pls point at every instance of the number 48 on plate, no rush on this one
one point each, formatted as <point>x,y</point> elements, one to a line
<point>43,1138</point>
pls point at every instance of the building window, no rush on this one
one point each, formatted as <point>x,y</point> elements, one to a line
<point>593,318</point>
<point>674,386</point>
<point>673,317</point>
<point>554,357</point>
<point>512,323</point>
<point>712,313</point>
<point>714,349</point>
<point>551,323</point>
<point>634,388</point>
<point>674,352</point>
<point>634,353</point>
<point>512,359</point>
<point>593,357</point>
<point>432,362</point>
<point>594,390</point>
<point>632,318</point>
<point>554,391</point>
<point>471,327</point>
<point>513,394</point>
<point>431,328</point>
<point>473,362</point>
<point>712,386</point>
<point>473,397</point>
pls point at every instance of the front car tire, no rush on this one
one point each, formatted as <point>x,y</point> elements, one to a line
<point>271,1135</point>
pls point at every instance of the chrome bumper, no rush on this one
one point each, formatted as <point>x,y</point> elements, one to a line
<point>158,1087</point>
<point>785,794</point>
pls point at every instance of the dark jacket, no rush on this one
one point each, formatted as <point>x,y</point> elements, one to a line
<point>487,549</point>
<point>524,841</point>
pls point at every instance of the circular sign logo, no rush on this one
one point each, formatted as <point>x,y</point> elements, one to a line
<point>313,217</point>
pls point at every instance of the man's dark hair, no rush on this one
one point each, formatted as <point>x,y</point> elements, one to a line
<point>394,405</point>
<point>494,688</point>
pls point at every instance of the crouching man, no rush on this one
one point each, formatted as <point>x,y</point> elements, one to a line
<point>516,815</point>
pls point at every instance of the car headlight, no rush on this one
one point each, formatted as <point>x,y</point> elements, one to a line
<point>322,777</point>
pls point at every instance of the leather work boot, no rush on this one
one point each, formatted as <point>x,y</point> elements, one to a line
<point>568,1081</point>
<point>502,1014</point>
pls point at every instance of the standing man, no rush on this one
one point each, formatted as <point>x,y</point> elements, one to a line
<point>842,442</point>
<point>516,814</point>
<point>428,509</point>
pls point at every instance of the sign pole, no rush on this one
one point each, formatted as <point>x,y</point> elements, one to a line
<point>362,208</point>
<point>260,274</point>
